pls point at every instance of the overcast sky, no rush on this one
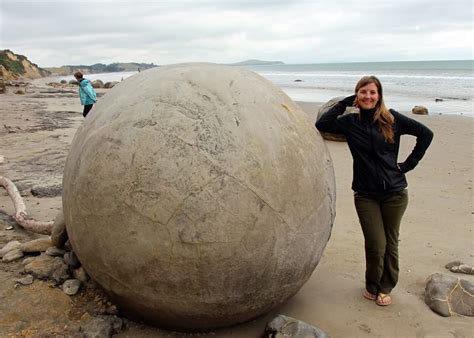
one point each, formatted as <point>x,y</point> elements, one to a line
<point>61,32</point>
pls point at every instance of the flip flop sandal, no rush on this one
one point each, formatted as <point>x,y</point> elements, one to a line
<point>369,296</point>
<point>383,299</point>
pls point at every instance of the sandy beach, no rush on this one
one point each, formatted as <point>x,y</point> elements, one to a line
<point>36,131</point>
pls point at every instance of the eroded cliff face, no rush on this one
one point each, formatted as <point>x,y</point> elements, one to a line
<point>14,66</point>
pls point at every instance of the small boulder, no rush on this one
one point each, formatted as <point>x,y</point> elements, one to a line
<point>448,295</point>
<point>74,82</point>
<point>47,267</point>
<point>9,247</point>
<point>284,326</point>
<point>419,110</point>
<point>324,108</point>
<point>110,84</point>
<point>20,91</point>
<point>63,82</point>
<point>12,255</point>
<point>37,245</point>
<point>97,84</point>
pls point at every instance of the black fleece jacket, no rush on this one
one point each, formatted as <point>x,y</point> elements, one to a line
<point>375,167</point>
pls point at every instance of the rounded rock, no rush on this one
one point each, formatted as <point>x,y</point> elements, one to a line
<point>419,110</point>
<point>198,196</point>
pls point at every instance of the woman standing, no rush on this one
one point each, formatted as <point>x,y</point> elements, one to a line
<point>379,183</point>
<point>86,93</point>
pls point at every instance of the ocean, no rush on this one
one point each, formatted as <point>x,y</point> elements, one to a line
<point>444,87</point>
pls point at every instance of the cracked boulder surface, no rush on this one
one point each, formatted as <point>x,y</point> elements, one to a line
<point>448,295</point>
<point>198,196</point>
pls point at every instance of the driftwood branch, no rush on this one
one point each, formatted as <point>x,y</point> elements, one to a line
<point>21,216</point>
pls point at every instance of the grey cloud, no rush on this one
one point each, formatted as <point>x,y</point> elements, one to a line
<point>64,32</point>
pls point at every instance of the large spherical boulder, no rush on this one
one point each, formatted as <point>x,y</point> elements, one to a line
<point>198,196</point>
<point>324,108</point>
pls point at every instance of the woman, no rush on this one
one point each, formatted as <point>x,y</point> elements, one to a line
<point>379,182</point>
<point>86,93</point>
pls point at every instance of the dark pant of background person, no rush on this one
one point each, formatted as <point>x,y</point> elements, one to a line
<point>380,216</point>
<point>87,108</point>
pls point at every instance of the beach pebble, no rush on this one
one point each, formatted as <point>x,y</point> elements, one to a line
<point>284,326</point>
<point>36,245</point>
<point>27,280</point>
<point>9,247</point>
<point>448,295</point>
<point>71,286</point>
<point>419,110</point>
<point>12,255</point>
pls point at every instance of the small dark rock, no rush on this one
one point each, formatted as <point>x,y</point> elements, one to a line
<point>439,100</point>
<point>55,252</point>
<point>73,82</point>
<point>70,259</point>
<point>47,191</point>
<point>298,80</point>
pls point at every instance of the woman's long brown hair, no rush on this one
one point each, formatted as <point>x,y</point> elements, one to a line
<point>382,115</point>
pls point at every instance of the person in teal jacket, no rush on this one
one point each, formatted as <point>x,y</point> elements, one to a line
<point>86,93</point>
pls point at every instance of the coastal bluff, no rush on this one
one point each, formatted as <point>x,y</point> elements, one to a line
<point>14,66</point>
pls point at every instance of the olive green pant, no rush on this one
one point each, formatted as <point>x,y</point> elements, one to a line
<point>380,216</point>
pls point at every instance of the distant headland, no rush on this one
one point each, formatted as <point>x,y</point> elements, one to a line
<point>15,66</point>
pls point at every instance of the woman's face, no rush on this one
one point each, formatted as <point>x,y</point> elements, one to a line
<point>368,96</point>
